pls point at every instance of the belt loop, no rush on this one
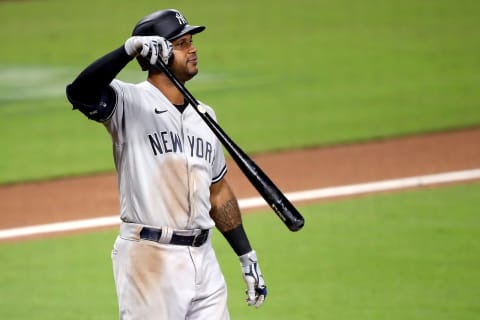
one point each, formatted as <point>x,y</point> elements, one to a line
<point>166,236</point>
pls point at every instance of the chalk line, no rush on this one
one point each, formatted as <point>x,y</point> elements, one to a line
<point>258,202</point>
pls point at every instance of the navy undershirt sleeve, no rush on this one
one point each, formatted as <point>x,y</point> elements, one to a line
<point>90,91</point>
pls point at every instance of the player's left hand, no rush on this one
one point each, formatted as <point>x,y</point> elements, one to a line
<point>149,47</point>
<point>256,288</point>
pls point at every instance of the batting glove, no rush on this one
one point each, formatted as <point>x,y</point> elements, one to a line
<point>256,289</point>
<point>149,47</point>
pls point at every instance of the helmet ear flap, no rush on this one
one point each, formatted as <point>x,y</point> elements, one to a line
<point>170,60</point>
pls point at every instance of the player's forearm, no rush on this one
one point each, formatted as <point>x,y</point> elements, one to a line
<point>228,221</point>
<point>94,79</point>
<point>227,215</point>
<point>225,212</point>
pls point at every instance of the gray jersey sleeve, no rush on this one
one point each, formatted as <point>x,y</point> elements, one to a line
<point>219,168</point>
<point>219,165</point>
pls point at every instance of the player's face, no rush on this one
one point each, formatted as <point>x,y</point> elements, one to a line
<point>184,64</point>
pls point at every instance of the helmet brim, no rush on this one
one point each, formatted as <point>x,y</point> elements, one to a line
<point>188,29</point>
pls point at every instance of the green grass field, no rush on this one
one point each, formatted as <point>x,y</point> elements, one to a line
<point>281,75</point>
<point>410,255</point>
<point>293,74</point>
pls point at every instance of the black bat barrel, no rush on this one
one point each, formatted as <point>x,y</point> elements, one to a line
<point>262,183</point>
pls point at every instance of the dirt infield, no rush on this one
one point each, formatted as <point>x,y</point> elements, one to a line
<point>94,196</point>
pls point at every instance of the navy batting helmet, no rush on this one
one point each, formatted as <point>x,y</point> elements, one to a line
<point>168,23</point>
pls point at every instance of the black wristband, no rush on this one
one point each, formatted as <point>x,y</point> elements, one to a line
<point>237,238</point>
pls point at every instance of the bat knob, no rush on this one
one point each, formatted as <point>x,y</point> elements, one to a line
<point>296,225</point>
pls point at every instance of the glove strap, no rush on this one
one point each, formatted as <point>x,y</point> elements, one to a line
<point>248,258</point>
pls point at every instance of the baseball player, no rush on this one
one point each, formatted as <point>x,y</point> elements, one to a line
<point>171,179</point>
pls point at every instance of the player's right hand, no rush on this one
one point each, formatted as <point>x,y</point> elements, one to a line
<point>149,47</point>
<point>256,288</point>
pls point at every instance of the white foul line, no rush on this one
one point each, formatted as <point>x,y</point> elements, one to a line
<point>255,202</point>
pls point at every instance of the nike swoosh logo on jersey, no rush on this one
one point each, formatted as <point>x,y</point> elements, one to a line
<point>159,111</point>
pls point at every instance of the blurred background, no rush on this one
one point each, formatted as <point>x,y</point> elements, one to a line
<point>281,75</point>
<point>312,72</point>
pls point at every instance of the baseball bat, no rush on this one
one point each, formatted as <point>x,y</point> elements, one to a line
<point>262,183</point>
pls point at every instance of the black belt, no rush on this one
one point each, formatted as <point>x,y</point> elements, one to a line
<point>153,234</point>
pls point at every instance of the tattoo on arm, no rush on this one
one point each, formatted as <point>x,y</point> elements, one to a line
<point>227,216</point>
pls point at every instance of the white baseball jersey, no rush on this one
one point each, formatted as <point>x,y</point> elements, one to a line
<point>166,160</point>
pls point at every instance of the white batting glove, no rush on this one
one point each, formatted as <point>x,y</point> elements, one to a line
<point>149,47</point>
<point>256,289</point>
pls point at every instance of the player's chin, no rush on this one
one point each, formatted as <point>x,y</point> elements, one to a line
<point>190,73</point>
<point>192,68</point>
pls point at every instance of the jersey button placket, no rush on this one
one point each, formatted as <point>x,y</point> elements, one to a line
<point>184,131</point>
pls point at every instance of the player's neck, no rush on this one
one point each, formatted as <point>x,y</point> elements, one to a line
<point>162,83</point>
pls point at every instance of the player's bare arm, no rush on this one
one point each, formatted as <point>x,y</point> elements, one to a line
<point>225,210</point>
